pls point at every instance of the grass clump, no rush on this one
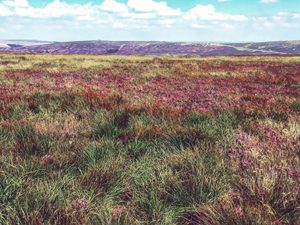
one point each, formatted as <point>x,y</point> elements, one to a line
<point>26,139</point>
<point>295,105</point>
<point>100,151</point>
<point>219,128</point>
<point>103,125</point>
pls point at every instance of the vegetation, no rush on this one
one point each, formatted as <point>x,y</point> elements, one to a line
<point>149,140</point>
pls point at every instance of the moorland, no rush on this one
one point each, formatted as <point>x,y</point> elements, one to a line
<point>100,47</point>
<point>149,140</point>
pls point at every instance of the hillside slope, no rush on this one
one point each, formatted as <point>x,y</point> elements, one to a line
<point>153,48</point>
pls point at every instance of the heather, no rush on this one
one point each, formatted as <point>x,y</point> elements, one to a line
<point>149,140</point>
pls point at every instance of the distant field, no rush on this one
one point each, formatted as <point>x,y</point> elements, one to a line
<point>149,140</point>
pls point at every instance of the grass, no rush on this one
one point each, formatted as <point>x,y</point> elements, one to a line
<point>149,140</point>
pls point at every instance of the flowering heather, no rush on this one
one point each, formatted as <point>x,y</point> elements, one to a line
<point>149,140</point>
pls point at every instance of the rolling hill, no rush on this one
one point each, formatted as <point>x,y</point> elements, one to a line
<point>151,48</point>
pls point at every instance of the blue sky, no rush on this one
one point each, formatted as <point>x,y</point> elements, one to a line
<point>162,20</point>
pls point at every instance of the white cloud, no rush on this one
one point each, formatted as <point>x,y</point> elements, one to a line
<point>113,6</point>
<point>161,8</point>
<point>5,11</point>
<point>16,3</point>
<point>262,22</point>
<point>119,25</point>
<point>268,1</point>
<point>144,15</point>
<point>209,13</point>
<point>200,26</point>
<point>55,9</point>
<point>148,15</point>
<point>167,22</point>
<point>296,15</point>
<point>280,20</point>
<point>134,9</point>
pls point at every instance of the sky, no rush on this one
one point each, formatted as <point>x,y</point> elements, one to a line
<point>150,20</point>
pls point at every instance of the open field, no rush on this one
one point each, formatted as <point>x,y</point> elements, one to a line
<point>149,140</point>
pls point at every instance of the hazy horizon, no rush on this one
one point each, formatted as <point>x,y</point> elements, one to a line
<point>220,42</point>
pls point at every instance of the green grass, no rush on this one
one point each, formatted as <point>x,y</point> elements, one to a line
<point>156,179</point>
<point>89,154</point>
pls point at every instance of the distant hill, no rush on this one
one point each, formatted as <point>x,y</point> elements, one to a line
<point>151,48</point>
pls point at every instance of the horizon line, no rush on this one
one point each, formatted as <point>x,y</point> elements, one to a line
<point>183,41</point>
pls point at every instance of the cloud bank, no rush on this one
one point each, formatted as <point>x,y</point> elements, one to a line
<point>138,17</point>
